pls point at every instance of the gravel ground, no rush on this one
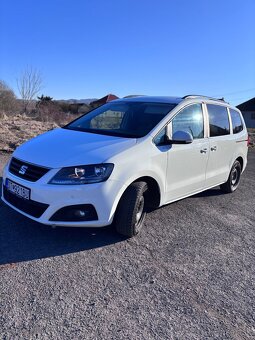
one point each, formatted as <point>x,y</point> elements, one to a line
<point>189,275</point>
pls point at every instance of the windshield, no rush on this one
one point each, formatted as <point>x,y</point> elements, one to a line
<point>123,119</point>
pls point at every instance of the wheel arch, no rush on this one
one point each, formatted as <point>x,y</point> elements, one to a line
<point>154,189</point>
<point>241,161</point>
<point>154,197</point>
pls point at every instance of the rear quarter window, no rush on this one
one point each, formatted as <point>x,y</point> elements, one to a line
<point>237,122</point>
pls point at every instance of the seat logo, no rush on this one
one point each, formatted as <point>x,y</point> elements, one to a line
<point>23,169</point>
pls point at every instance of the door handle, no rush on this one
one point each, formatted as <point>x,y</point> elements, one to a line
<point>214,148</point>
<point>203,150</point>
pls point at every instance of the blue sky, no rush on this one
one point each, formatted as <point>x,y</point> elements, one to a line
<point>87,49</point>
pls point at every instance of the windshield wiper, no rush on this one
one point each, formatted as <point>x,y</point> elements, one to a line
<point>102,132</point>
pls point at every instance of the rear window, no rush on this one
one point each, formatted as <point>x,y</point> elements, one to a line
<point>218,120</point>
<point>236,121</point>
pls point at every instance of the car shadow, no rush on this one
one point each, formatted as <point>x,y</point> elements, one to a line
<point>22,239</point>
<point>208,193</point>
<point>211,192</point>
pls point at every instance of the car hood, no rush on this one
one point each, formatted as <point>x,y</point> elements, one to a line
<point>62,147</point>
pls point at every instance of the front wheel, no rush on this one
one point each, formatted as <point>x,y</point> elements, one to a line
<point>233,179</point>
<point>131,210</point>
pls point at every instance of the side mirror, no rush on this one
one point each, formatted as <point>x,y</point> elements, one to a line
<point>179,137</point>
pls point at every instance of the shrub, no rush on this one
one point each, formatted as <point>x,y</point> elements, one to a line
<point>8,102</point>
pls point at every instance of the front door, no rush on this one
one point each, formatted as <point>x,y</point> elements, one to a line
<point>186,165</point>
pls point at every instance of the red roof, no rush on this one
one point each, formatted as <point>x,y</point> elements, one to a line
<point>104,100</point>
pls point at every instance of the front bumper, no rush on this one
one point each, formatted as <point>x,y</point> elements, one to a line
<point>103,196</point>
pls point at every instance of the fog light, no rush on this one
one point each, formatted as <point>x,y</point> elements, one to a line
<point>80,213</point>
<point>76,213</point>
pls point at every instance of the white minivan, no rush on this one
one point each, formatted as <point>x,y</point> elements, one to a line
<point>112,164</point>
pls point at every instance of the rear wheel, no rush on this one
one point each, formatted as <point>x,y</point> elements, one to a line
<point>233,179</point>
<point>131,210</point>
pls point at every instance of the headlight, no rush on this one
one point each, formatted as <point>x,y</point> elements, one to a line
<point>83,174</point>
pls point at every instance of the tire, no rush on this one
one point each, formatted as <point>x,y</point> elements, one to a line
<point>131,210</point>
<point>233,179</point>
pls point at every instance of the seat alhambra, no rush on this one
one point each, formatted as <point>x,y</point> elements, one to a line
<point>118,160</point>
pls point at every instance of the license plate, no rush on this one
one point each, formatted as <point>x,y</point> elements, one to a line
<point>17,189</point>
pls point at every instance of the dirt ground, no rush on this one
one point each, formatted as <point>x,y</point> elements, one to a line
<point>16,130</point>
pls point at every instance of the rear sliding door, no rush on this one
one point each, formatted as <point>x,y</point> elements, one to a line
<point>220,145</point>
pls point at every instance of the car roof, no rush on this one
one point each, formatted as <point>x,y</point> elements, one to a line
<point>152,99</point>
<point>172,100</point>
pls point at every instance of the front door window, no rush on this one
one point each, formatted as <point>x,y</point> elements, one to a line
<point>190,119</point>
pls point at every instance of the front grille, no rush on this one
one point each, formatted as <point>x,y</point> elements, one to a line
<point>30,172</point>
<point>33,208</point>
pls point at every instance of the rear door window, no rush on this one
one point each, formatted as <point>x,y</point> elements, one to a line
<point>237,122</point>
<point>218,120</point>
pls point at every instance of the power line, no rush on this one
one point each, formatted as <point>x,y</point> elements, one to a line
<point>231,93</point>
<point>238,99</point>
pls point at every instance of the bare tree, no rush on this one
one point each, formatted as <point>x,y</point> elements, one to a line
<point>29,85</point>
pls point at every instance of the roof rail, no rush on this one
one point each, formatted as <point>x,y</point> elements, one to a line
<point>206,97</point>
<point>134,95</point>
